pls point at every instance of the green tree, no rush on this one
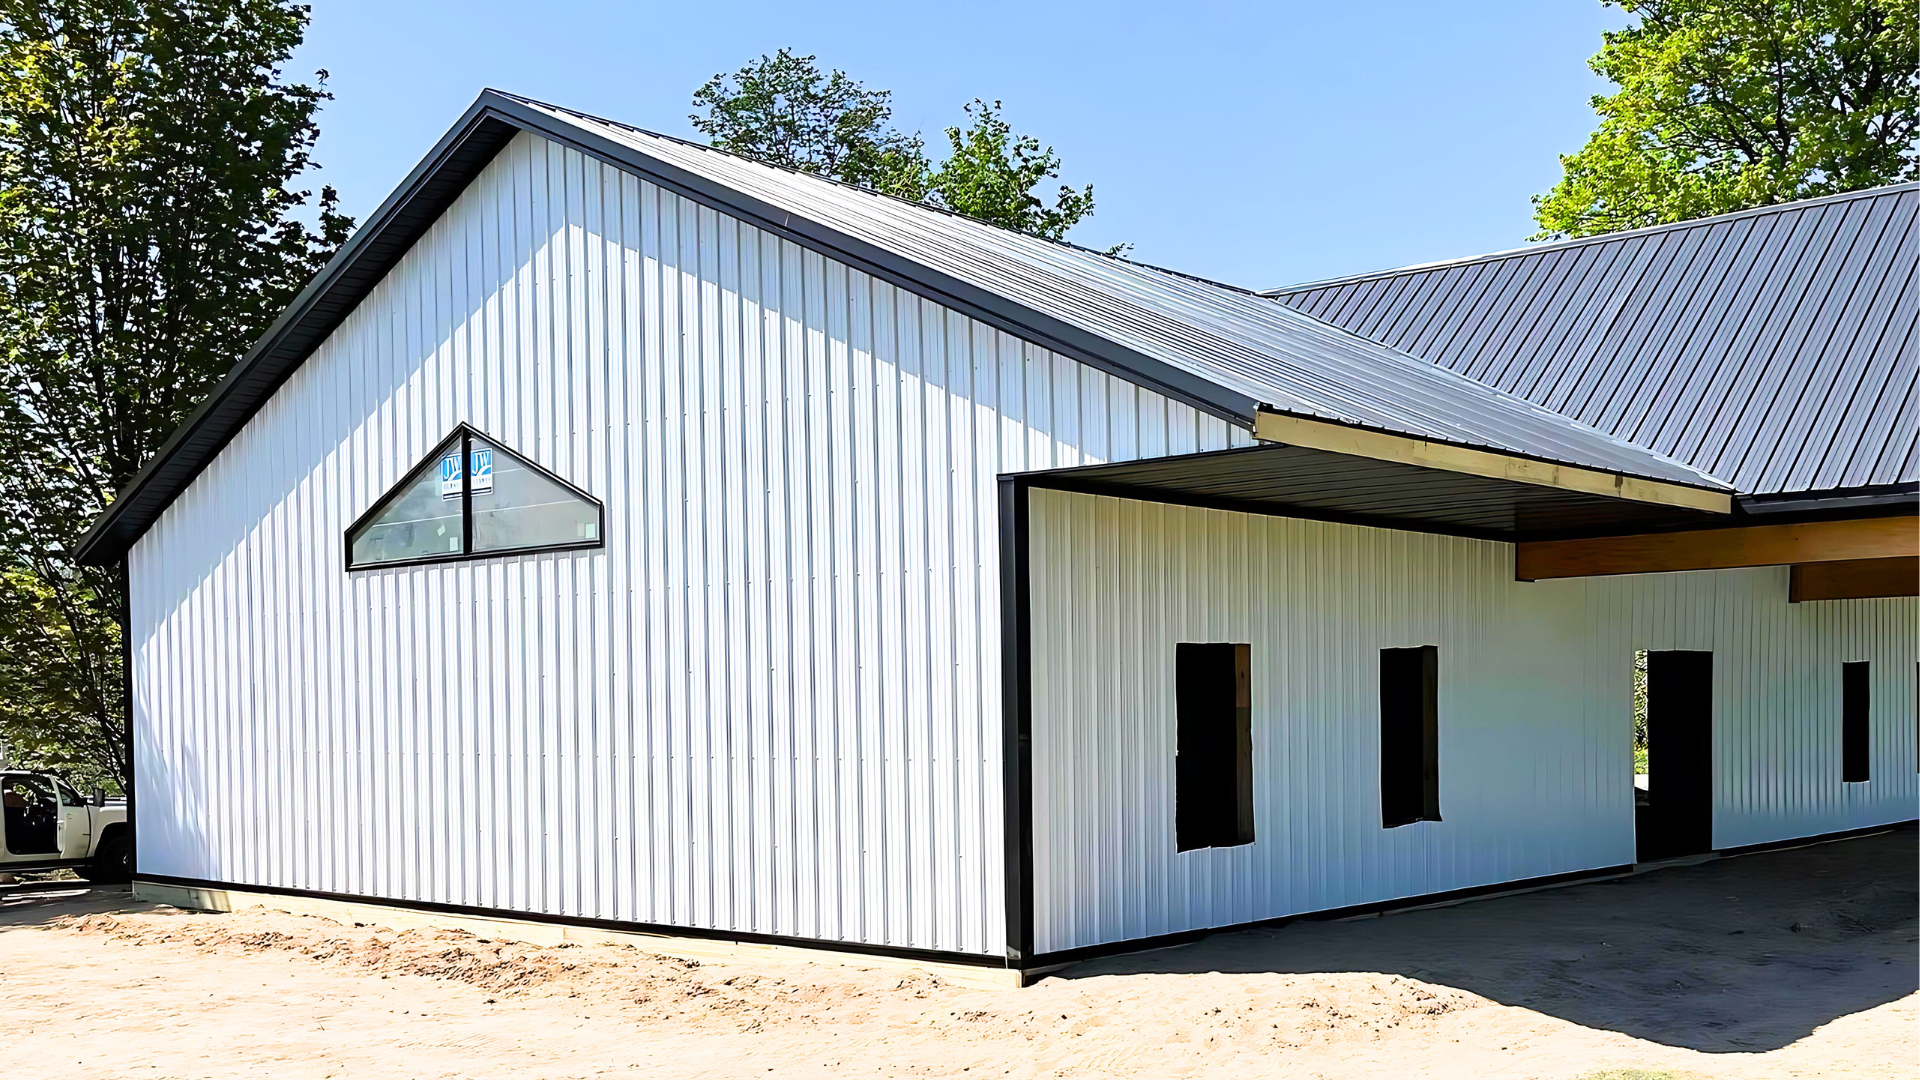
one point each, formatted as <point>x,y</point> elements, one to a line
<point>783,110</point>
<point>150,229</point>
<point>992,175</point>
<point>1727,104</point>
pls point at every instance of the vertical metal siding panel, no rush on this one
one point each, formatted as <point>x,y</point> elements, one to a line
<point>754,872</point>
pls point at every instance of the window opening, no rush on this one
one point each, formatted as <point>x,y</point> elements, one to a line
<point>473,498</point>
<point>1409,735</point>
<point>1213,764</point>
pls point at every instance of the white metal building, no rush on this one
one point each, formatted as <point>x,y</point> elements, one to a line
<point>625,533</point>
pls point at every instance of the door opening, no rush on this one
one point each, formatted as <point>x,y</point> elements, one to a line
<point>1673,754</point>
<point>32,816</point>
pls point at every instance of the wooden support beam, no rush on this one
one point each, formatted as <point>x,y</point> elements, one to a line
<point>1380,446</point>
<point>1855,579</point>
<point>1720,549</point>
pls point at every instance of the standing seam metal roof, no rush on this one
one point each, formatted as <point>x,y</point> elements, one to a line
<point>1774,348</point>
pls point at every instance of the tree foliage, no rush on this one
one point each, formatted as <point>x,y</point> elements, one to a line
<point>782,109</point>
<point>1727,104</point>
<point>992,174</point>
<point>150,229</point>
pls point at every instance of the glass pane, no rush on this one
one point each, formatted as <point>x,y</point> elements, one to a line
<point>516,506</point>
<point>420,519</point>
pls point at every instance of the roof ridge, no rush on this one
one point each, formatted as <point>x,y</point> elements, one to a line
<point>1584,241</point>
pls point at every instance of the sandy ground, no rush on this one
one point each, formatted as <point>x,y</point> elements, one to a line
<point>1792,964</point>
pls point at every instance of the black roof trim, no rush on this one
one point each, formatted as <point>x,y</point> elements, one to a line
<point>433,185</point>
<point>1889,497</point>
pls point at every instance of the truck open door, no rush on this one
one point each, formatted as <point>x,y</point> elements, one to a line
<point>76,823</point>
<point>32,817</point>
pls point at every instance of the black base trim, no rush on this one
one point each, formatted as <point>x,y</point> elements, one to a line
<point>1064,957</point>
<point>900,952</point>
<point>1817,838</point>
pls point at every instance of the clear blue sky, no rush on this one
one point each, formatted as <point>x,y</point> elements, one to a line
<point>1261,144</point>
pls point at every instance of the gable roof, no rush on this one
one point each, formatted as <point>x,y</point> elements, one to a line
<point>1227,351</point>
<point>1774,347</point>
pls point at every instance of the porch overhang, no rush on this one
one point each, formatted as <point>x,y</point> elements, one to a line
<point>1276,427</point>
<point>1387,491</point>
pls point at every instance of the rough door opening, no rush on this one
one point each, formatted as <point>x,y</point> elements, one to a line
<point>1673,728</point>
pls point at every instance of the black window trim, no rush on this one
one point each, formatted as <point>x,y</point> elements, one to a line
<point>466,433</point>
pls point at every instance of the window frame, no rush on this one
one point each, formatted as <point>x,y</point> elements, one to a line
<point>465,433</point>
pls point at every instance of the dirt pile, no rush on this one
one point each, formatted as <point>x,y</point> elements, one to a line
<point>659,987</point>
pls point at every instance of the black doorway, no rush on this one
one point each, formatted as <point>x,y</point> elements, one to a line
<point>1673,816</point>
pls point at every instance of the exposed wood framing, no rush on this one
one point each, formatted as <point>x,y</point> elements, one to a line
<point>1855,579</point>
<point>1717,549</point>
<point>1380,446</point>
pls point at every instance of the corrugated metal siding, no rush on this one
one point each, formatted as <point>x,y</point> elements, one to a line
<point>1774,349</point>
<point>1229,337</point>
<point>770,704</point>
<point>1535,711</point>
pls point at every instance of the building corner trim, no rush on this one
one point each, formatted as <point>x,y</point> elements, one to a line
<point>1016,718</point>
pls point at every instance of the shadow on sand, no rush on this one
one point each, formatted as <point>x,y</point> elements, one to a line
<point>1739,954</point>
<point>38,903</point>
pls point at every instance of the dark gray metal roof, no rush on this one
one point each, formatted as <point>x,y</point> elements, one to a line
<point>1227,351</point>
<point>1773,348</point>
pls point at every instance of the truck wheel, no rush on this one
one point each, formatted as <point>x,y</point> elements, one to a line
<point>112,864</point>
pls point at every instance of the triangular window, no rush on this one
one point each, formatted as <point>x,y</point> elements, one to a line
<point>471,499</point>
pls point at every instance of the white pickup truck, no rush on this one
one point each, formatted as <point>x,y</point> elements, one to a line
<point>46,825</point>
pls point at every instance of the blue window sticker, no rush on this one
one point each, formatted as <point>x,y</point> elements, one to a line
<point>482,470</point>
<point>450,476</point>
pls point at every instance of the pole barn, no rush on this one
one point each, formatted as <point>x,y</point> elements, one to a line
<point>623,534</point>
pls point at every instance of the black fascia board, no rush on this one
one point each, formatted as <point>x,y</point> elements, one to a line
<point>1881,499</point>
<point>392,229</point>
